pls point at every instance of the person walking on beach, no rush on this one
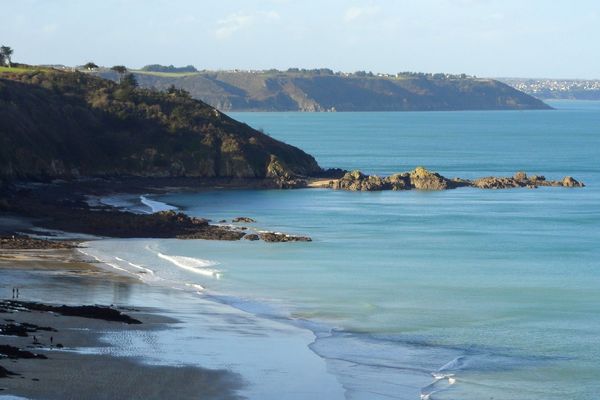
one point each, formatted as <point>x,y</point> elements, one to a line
<point>17,293</point>
<point>13,293</point>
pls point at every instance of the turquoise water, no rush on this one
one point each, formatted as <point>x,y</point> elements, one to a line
<point>461,294</point>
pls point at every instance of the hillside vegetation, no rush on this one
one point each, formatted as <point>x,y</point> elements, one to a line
<point>67,124</point>
<point>323,90</point>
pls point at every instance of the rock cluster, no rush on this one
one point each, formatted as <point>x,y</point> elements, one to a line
<point>277,237</point>
<point>420,178</point>
<point>520,179</point>
<point>247,220</point>
<point>25,242</point>
<point>423,179</point>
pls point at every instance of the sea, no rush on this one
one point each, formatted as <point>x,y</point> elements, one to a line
<point>458,294</point>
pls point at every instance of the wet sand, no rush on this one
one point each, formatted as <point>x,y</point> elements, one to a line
<point>84,367</point>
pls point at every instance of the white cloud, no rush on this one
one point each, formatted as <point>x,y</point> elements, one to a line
<point>233,23</point>
<point>354,13</point>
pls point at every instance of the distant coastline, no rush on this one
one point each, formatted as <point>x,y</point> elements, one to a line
<point>323,90</point>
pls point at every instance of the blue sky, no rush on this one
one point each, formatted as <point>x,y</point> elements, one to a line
<point>498,38</point>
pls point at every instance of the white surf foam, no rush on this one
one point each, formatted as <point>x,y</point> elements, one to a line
<point>196,265</point>
<point>156,206</point>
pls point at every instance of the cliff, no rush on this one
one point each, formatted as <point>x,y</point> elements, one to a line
<point>323,90</point>
<point>57,124</point>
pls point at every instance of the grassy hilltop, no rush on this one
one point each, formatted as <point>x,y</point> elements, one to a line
<point>65,124</point>
<point>324,90</point>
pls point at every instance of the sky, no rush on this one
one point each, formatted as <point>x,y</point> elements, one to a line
<point>488,38</point>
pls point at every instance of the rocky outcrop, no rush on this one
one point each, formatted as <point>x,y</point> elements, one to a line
<point>423,179</point>
<point>569,181</point>
<point>520,179</point>
<point>277,237</point>
<point>92,312</point>
<point>420,179</point>
<point>247,220</point>
<point>25,242</point>
<point>16,353</point>
<point>283,176</point>
<point>357,181</point>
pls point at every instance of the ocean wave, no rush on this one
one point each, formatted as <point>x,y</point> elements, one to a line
<point>156,206</point>
<point>195,265</point>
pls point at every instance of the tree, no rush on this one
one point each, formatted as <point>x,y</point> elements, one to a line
<point>119,69</point>
<point>129,80</point>
<point>6,53</point>
<point>90,66</point>
<point>1,59</point>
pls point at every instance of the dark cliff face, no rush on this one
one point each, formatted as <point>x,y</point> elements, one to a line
<point>281,91</point>
<point>65,124</point>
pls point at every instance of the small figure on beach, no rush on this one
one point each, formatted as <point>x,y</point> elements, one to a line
<point>35,340</point>
<point>51,340</point>
<point>13,293</point>
<point>17,293</point>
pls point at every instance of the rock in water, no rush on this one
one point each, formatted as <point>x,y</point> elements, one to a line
<point>357,181</point>
<point>569,181</point>
<point>276,237</point>
<point>243,219</point>
<point>422,179</point>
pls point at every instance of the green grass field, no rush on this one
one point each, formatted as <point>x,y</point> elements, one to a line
<point>16,69</point>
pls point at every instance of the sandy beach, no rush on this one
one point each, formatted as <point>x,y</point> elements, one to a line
<point>77,362</point>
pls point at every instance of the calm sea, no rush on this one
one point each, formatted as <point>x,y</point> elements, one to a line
<point>460,294</point>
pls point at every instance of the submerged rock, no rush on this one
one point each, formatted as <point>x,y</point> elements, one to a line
<point>276,237</point>
<point>243,219</point>
<point>251,236</point>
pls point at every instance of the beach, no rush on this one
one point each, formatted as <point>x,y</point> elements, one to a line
<point>185,347</point>
<point>78,362</point>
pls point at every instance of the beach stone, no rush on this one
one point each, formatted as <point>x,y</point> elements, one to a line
<point>252,236</point>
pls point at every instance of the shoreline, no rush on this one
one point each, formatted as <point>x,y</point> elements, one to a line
<point>73,356</point>
<point>213,357</point>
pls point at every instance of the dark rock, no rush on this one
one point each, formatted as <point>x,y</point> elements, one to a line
<point>93,312</point>
<point>276,237</point>
<point>252,236</point>
<point>16,353</point>
<point>243,219</point>
<point>4,373</point>
<point>25,242</point>
<point>332,173</point>
<point>22,330</point>
<point>223,221</point>
<point>213,233</point>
